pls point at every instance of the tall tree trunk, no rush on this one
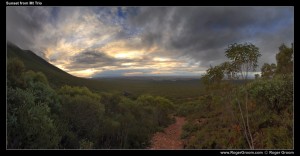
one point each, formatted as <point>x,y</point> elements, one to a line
<point>244,126</point>
<point>247,118</point>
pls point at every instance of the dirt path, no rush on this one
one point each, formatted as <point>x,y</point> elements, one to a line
<point>170,138</point>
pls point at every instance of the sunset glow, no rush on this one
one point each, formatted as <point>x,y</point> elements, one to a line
<point>129,41</point>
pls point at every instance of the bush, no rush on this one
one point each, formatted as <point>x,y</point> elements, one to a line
<point>276,93</point>
<point>29,122</point>
<point>82,110</point>
<point>15,69</point>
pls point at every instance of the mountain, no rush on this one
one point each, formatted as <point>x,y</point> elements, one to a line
<point>163,86</point>
<point>56,76</point>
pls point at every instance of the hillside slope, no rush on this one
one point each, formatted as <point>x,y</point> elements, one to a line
<point>56,76</point>
<point>179,89</point>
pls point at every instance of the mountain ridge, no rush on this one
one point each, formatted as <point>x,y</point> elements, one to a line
<point>35,63</point>
<point>162,86</point>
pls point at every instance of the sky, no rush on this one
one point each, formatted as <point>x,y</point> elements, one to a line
<point>146,41</point>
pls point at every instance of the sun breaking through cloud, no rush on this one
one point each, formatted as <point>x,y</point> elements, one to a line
<point>146,41</point>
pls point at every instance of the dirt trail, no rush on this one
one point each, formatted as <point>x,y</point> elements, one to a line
<point>170,138</point>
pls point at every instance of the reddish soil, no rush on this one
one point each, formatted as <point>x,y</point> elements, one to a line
<point>170,138</point>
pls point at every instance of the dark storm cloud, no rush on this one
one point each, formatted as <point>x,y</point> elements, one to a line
<point>23,24</point>
<point>204,32</point>
<point>96,59</point>
<point>78,38</point>
<point>93,59</point>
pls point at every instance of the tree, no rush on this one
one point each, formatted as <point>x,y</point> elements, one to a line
<point>82,112</point>
<point>15,69</point>
<point>213,75</point>
<point>268,71</point>
<point>256,76</point>
<point>34,77</point>
<point>160,108</point>
<point>29,119</point>
<point>28,122</point>
<point>285,60</point>
<point>244,57</point>
<point>230,70</point>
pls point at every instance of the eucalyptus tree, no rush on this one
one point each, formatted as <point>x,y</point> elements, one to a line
<point>244,57</point>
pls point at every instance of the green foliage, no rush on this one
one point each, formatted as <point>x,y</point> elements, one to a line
<point>285,60</point>
<point>268,71</point>
<point>204,104</point>
<point>30,104</point>
<point>177,90</point>
<point>29,122</point>
<point>277,93</point>
<point>232,116</point>
<point>83,111</point>
<point>230,69</point>
<point>110,120</point>
<point>270,111</point>
<point>213,75</point>
<point>110,102</point>
<point>32,77</point>
<point>189,108</point>
<point>15,69</point>
<point>244,57</point>
<point>86,118</point>
<point>73,91</point>
<point>33,62</point>
<point>46,94</point>
<point>76,117</point>
<point>158,106</point>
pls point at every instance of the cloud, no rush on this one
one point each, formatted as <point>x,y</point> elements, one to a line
<point>21,24</point>
<point>93,58</point>
<point>204,32</point>
<point>98,41</point>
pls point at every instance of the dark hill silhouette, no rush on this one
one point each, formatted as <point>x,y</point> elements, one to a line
<point>56,76</point>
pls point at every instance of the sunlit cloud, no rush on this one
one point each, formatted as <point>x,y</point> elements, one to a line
<point>61,66</point>
<point>84,73</point>
<point>97,41</point>
<point>128,55</point>
<point>134,74</point>
<point>128,64</point>
<point>160,59</point>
